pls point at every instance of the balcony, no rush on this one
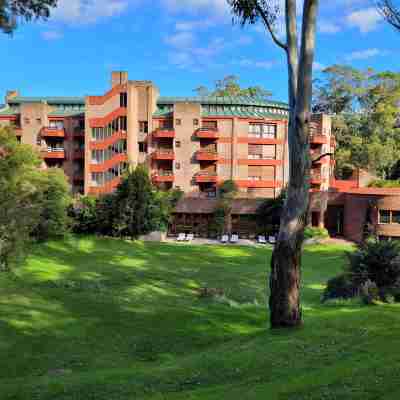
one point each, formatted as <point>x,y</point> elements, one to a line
<point>318,139</point>
<point>52,131</point>
<point>207,155</point>
<point>162,176</point>
<point>206,177</point>
<point>53,153</point>
<point>162,133</point>
<point>79,154</point>
<point>258,182</point>
<point>255,159</point>
<point>162,154</point>
<point>207,133</point>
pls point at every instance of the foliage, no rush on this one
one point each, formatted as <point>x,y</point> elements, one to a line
<point>385,183</point>
<point>369,292</point>
<point>340,286</point>
<point>136,208</point>
<point>34,202</point>
<point>228,188</point>
<point>13,10</point>
<point>54,203</point>
<point>269,213</point>
<point>314,232</point>
<point>223,212</point>
<point>20,196</point>
<point>364,108</point>
<point>229,86</point>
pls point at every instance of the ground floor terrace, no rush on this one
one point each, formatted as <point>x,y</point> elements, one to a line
<point>353,214</point>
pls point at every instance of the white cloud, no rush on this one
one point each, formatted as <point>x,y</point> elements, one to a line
<point>51,35</point>
<point>215,7</point>
<point>246,62</point>
<point>328,27</point>
<point>365,20</point>
<point>365,54</point>
<point>180,40</point>
<point>88,11</point>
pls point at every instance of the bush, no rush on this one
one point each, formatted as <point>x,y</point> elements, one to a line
<point>385,183</point>
<point>312,232</point>
<point>340,287</point>
<point>373,271</point>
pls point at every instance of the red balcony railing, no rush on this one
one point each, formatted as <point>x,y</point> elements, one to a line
<point>206,155</point>
<point>161,176</point>
<point>163,154</point>
<point>207,133</point>
<point>52,131</point>
<point>53,153</point>
<point>206,177</point>
<point>318,139</point>
<point>161,133</point>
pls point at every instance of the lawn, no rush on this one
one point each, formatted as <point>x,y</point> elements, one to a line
<point>89,318</point>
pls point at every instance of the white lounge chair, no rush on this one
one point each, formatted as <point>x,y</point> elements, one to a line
<point>262,240</point>
<point>181,237</point>
<point>234,238</point>
<point>272,239</point>
<point>189,237</point>
<point>224,239</point>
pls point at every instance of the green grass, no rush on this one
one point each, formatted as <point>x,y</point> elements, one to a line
<point>91,318</point>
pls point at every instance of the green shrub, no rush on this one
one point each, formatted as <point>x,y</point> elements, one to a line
<point>385,183</point>
<point>340,287</point>
<point>312,232</point>
<point>369,292</point>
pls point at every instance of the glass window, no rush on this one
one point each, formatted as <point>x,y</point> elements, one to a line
<point>395,217</point>
<point>177,143</point>
<point>143,127</point>
<point>384,216</point>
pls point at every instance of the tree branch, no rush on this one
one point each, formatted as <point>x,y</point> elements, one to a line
<point>313,162</point>
<point>270,28</point>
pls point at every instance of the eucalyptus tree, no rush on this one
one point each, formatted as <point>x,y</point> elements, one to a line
<point>284,301</point>
<point>390,10</point>
<point>14,11</point>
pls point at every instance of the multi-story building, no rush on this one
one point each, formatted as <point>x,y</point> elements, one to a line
<point>191,143</point>
<point>55,126</point>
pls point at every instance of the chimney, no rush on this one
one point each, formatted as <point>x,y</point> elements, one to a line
<point>118,78</point>
<point>11,94</point>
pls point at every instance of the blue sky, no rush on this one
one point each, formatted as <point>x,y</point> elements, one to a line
<point>179,44</point>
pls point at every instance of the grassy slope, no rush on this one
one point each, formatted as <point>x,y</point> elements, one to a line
<point>104,319</point>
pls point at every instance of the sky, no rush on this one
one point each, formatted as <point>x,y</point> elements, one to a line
<point>179,45</point>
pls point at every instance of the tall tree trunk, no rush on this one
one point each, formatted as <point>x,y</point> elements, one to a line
<point>284,302</point>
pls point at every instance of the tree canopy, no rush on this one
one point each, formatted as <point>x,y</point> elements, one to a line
<point>13,11</point>
<point>364,106</point>
<point>229,86</point>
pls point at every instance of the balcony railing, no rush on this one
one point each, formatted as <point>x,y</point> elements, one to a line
<point>206,176</point>
<point>53,131</point>
<point>207,133</point>
<point>163,176</point>
<point>207,155</point>
<point>163,154</point>
<point>54,152</point>
<point>161,133</point>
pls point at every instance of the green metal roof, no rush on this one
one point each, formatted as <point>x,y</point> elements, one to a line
<point>226,100</point>
<point>7,110</point>
<point>49,100</point>
<point>66,113</point>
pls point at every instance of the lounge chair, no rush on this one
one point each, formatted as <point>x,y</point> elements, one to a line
<point>181,237</point>
<point>189,237</point>
<point>224,239</point>
<point>271,239</point>
<point>234,238</point>
<point>262,240</point>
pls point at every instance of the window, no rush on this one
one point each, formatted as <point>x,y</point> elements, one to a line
<point>195,122</point>
<point>395,217</point>
<point>177,165</point>
<point>267,131</point>
<point>27,121</point>
<point>143,127</point>
<point>178,122</point>
<point>142,147</point>
<point>210,125</point>
<point>177,143</point>
<point>123,100</point>
<point>384,216</point>
<point>39,121</point>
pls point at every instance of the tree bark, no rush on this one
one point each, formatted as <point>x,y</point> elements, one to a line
<point>284,301</point>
